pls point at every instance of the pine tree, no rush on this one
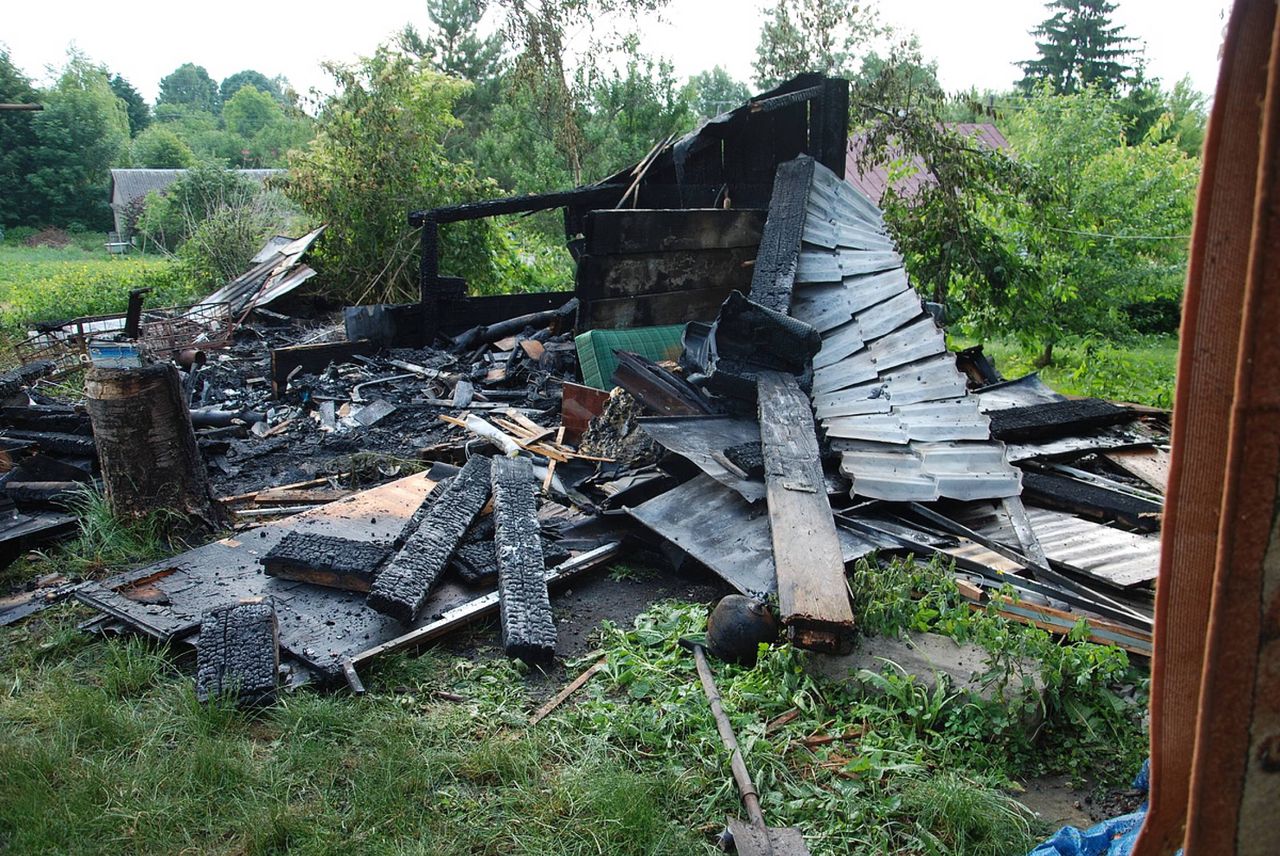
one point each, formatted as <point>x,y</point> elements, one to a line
<point>1079,46</point>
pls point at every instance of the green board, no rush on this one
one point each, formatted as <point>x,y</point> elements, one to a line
<point>596,347</point>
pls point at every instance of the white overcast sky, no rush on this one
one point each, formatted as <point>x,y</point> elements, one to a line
<point>975,43</point>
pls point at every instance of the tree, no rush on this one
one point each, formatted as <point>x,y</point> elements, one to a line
<point>1078,47</point>
<point>189,85</point>
<point>82,133</point>
<point>201,131</point>
<point>1115,232</point>
<point>171,216</point>
<point>161,148</point>
<point>452,45</point>
<point>17,130</point>
<point>826,36</point>
<point>139,112</point>
<point>259,81</point>
<point>713,92</point>
<point>249,111</point>
<point>377,154</point>
<point>900,78</point>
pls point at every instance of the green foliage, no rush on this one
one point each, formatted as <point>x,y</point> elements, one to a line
<point>713,92</point>
<point>249,111</point>
<point>160,148</point>
<point>1115,234</point>
<point>135,105</point>
<point>826,36</point>
<point>379,153</point>
<point>220,246</point>
<point>256,79</point>
<point>42,284</point>
<point>18,132</point>
<point>189,85</point>
<point>82,132</point>
<point>1079,47</point>
<point>1140,370</point>
<point>170,217</point>
<point>105,542</point>
<point>201,131</point>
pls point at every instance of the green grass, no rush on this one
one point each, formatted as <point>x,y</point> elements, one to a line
<point>44,283</point>
<point>107,751</point>
<point>1139,372</point>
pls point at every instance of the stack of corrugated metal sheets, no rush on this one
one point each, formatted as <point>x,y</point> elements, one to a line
<point>886,390</point>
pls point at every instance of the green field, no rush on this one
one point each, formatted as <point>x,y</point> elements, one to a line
<point>46,283</point>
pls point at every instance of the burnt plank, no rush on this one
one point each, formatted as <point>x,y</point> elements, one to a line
<point>239,652</point>
<point>602,277</point>
<point>625,230</point>
<point>774,273</point>
<point>313,359</point>
<point>1085,500</point>
<point>325,560</point>
<point>528,631</point>
<point>1055,419</point>
<point>57,442</point>
<point>653,310</point>
<point>476,562</point>
<point>403,586</point>
<point>812,593</point>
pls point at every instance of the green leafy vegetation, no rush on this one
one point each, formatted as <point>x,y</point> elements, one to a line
<point>44,283</point>
<point>107,747</point>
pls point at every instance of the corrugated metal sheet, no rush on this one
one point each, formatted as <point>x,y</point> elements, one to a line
<point>885,389</point>
<point>1122,558</point>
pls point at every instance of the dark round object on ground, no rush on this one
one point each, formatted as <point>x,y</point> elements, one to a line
<point>737,626</point>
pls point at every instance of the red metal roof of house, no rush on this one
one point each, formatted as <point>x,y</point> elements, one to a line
<point>875,181</point>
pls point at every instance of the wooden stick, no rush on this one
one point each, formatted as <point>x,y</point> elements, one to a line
<point>571,688</point>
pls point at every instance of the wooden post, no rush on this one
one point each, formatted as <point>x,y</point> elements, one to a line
<point>146,444</point>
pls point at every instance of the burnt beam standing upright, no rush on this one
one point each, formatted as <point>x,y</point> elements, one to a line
<point>402,587</point>
<point>812,594</point>
<point>528,631</point>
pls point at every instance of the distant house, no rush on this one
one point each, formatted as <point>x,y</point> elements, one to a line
<point>873,182</point>
<point>128,185</point>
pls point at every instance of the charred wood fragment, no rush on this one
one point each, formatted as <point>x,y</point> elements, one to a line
<point>402,587</point>
<point>528,631</point>
<point>325,560</point>
<point>239,653</point>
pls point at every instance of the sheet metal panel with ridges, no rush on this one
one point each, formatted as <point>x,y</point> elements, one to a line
<point>885,389</point>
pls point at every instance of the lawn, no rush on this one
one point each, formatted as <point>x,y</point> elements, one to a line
<point>1139,370</point>
<point>107,751</point>
<point>47,283</point>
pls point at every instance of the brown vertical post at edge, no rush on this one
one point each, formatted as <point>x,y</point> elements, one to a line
<point>1207,368</point>
<point>813,595</point>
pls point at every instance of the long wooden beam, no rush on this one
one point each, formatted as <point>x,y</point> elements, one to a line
<point>812,593</point>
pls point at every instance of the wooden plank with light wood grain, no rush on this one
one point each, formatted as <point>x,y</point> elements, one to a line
<point>812,593</point>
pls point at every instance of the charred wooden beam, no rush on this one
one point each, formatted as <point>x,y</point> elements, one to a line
<point>774,274</point>
<point>43,492</point>
<point>325,560</point>
<point>239,653</point>
<point>1097,503</point>
<point>528,630</point>
<point>601,194</point>
<point>402,587</point>
<point>312,359</point>
<point>812,593</point>
<point>12,382</point>
<point>75,445</point>
<point>1055,419</point>
<point>493,332</point>
<point>476,562</point>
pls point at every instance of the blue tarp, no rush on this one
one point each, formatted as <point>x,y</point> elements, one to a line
<point>1114,837</point>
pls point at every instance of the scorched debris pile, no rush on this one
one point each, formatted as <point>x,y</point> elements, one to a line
<point>742,378</point>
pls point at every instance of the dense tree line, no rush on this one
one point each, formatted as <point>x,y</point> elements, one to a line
<point>1078,231</point>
